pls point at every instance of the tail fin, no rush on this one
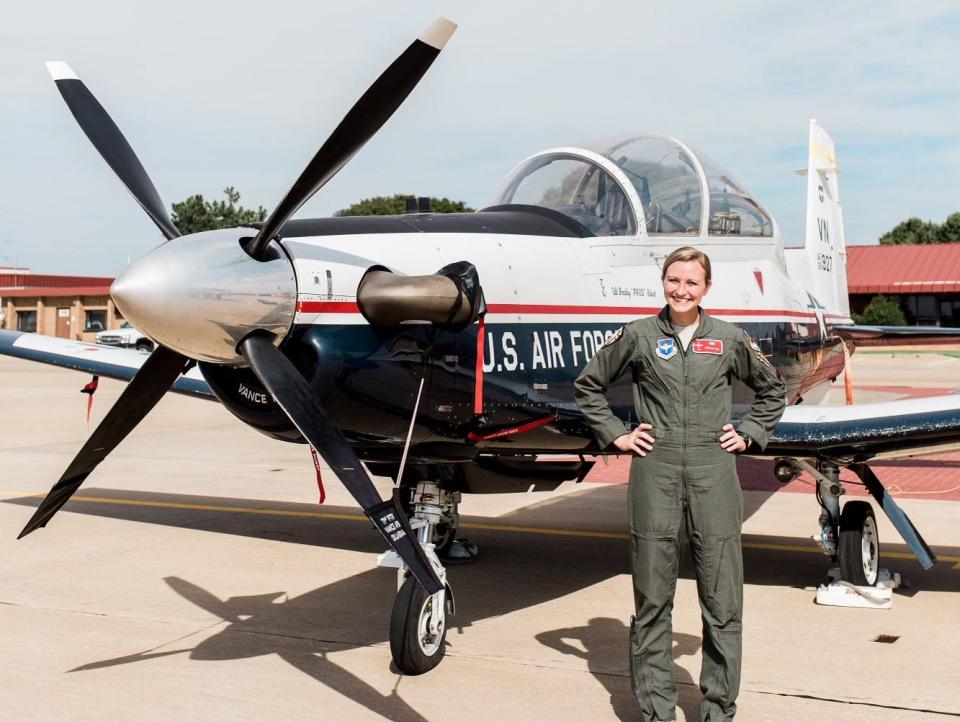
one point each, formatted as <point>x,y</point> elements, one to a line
<point>824,248</point>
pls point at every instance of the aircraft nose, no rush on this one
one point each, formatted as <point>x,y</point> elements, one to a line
<point>202,294</point>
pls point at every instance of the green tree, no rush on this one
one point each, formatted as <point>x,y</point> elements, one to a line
<point>949,231</point>
<point>912,230</point>
<point>195,214</point>
<point>396,204</point>
<point>882,311</point>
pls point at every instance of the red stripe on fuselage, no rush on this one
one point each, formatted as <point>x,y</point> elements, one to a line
<point>545,309</point>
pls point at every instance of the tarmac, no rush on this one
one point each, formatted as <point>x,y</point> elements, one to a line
<point>194,576</point>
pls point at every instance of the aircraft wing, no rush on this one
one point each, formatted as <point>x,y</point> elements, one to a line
<point>906,427</point>
<point>897,335</point>
<point>106,361</point>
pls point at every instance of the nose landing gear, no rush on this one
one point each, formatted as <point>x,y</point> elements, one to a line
<point>418,624</point>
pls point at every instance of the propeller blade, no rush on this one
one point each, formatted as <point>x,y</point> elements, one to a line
<point>306,412</point>
<point>143,392</point>
<point>109,141</point>
<point>365,118</point>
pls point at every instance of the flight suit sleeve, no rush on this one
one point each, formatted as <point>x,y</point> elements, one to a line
<point>606,366</point>
<point>753,368</point>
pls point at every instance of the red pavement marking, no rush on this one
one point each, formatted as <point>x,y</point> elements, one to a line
<point>936,476</point>
<point>903,392</point>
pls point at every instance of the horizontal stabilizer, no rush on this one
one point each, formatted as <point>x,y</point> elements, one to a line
<point>897,335</point>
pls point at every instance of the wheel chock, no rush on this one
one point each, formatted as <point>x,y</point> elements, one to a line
<point>839,593</point>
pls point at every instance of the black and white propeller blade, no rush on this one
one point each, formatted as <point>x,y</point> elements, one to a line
<point>300,403</point>
<point>109,141</point>
<point>157,374</point>
<point>365,118</point>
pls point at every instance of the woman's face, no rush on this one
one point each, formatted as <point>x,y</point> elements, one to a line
<point>684,285</point>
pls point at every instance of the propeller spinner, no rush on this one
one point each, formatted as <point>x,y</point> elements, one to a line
<point>229,298</point>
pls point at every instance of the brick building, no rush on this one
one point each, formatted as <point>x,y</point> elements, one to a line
<point>925,278</point>
<point>73,307</point>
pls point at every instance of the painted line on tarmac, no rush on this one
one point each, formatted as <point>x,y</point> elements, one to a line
<point>544,531</point>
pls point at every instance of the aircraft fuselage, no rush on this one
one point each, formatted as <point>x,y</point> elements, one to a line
<point>552,301</point>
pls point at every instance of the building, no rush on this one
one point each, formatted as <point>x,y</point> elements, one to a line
<point>73,307</point>
<point>924,277</point>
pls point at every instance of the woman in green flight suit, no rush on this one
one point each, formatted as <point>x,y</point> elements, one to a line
<point>683,475</point>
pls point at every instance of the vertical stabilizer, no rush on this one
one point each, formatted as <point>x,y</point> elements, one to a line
<point>825,249</point>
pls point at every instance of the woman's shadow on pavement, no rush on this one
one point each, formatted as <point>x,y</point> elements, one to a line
<point>604,644</point>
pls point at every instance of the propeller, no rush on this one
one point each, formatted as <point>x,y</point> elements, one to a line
<point>254,306</point>
<point>109,141</point>
<point>143,392</point>
<point>365,118</point>
<point>299,402</point>
<point>164,365</point>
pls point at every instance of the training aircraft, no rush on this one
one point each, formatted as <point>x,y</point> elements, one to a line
<point>441,349</point>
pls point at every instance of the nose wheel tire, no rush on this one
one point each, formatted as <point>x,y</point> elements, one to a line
<point>859,548</point>
<point>418,629</point>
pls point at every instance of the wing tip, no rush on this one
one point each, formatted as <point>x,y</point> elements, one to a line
<point>439,32</point>
<point>59,70</point>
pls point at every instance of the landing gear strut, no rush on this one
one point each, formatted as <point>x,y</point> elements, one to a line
<point>850,538</point>
<point>418,624</point>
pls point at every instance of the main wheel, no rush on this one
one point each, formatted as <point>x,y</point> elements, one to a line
<point>418,630</point>
<point>859,548</point>
<point>443,535</point>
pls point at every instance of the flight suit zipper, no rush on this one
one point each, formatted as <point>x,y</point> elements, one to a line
<point>683,404</point>
<point>683,419</point>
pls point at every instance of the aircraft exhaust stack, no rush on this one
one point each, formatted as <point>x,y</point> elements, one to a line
<point>386,299</point>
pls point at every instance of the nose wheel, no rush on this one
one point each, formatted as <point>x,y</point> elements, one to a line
<point>418,627</point>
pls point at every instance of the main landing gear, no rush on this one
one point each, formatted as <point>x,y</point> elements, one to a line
<point>418,624</point>
<point>850,537</point>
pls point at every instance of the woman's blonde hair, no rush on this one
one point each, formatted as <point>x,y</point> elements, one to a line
<point>687,253</point>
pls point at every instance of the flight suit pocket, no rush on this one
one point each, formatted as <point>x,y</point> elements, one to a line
<point>723,579</point>
<point>651,373</point>
<point>718,556</point>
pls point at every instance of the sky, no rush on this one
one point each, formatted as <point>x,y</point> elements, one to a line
<point>243,94</point>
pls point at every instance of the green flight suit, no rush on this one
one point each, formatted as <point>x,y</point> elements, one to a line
<point>687,483</point>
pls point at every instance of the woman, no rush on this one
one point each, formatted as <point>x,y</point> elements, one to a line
<point>683,476</point>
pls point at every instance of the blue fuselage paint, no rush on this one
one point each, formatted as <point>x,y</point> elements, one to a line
<point>368,380</point>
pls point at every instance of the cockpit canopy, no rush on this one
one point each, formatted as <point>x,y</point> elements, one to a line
<point>650,182</point>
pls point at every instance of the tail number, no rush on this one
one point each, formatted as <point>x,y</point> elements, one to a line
<point>824,262</point>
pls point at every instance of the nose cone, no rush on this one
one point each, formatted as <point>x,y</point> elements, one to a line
<point>202,294</point>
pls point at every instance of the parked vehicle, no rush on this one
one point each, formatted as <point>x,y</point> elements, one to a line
<point>126,336</point>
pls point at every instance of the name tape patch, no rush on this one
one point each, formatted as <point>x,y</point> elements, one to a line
<point>708,345</point>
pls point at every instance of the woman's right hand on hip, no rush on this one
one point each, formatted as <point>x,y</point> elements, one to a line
<point>637,441</point>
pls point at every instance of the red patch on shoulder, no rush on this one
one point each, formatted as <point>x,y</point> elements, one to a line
<point>708,345</point>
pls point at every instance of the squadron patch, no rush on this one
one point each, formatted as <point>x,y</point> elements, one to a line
<point>666,348</point>
<point>708,345</point>
<point>756,350</point>
<point>613,339</point>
